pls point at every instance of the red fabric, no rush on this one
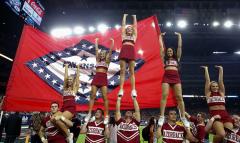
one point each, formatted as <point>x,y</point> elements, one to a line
<point>127,53</point>
<point>224,115</point>
<point>100,79</point>
<point>69,104</point>
<point>171,77</point>
<point>27,92</point>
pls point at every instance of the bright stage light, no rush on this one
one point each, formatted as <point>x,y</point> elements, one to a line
<point>169,24</point>
<point>78,30</point>
<point>102,28</point>
<point>61,32</point>
<point>219,52</point>
<point>91,29</point>
<point>117,26</point>
<point>140,52</point>
<point>228,24</point>
<point>238,52</point>
<point>182,24</point>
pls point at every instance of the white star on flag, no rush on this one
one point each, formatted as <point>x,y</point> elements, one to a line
<point>68,53</point>
<point>112,82</point>
<point>60,87</point>
<point>52,57</point>
<point>77,98</point>
<point>59,54</point>
<point>34,65</point>
<point>45,59</point>
<point>98,93</point>
<point>47,76</point>
<point>115,57</point>
<point>40,70</point>
<point>75,49</point>
<point>54,81</point>
<point>84,45</point>
<point>88,98</point>
<point>90,47</point>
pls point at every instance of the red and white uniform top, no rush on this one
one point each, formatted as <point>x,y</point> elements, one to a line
<point>95,132</point>
<point>173,134</point>
<point>233,137</point>
<point>102,64</point>
<point>171,62</point>
<point>69,93</point>
<point>128,132</point>
<point>52,133</point>
<point>215,99</point>
<point>198,130</point>
<point>130,39</point>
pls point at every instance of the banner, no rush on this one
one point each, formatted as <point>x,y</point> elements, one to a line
<point>37,73</point>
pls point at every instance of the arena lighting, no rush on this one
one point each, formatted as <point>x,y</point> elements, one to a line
<point>91,29</point>
<point>102,28</point>
<point>78,30</point>
<point>140,52</point>
<point>117,26</point>
<point>232,96</point>
<point>215,24</point>
<point>218,52</point>
<point>238,52</point>
<point>61,32</point>
<point>169,24</point>
<point>182,24</point>
<point>6,57</point>
<point>189,96</point>
<point>228,24</point>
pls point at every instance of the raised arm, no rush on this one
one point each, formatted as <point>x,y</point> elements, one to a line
<point>162,53</point>
<point>135,25</point>
<point>137,109</point>
<point>159,132</point>
<point>220,80</point>
<point>77,81</point>
<point>187,115</point>
<point>109,55</point>
<point>207,81</point>
<point>118,105</point>
<point>65,77</point>
<point>41,135</point>
<point>96,49</point>
<point>124,24</point>
<point>179,49</point>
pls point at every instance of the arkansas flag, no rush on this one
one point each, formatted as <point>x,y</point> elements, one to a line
<point>37,74</point>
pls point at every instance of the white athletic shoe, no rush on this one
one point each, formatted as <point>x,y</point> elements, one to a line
<point>106,120</point>
<point>134,93</point>
<point>87,118</point>
<point>161,120</point>
<point>70,138</point>
<point>120,93</point>
<point>185,122</point>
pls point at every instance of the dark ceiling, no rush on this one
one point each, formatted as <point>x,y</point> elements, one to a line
<point>198,41</point>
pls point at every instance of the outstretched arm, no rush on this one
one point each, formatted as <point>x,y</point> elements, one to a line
<point>137,109</point>
<point>135,25</point>
<point>77,81</point>
<point>96,49</point>
<point>124,24</point>
<point>106,132</point>
<point>109,55</point>
<point>220,80</point>
<point>84,128</point>
<point>179,49</point>
<point>65,77</point>
<point>118,105</point>
<point>159,132</point>
<point>207,81</point>
<point>162,54</point>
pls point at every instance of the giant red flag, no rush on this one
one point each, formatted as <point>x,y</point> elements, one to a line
<point>37,73</point>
